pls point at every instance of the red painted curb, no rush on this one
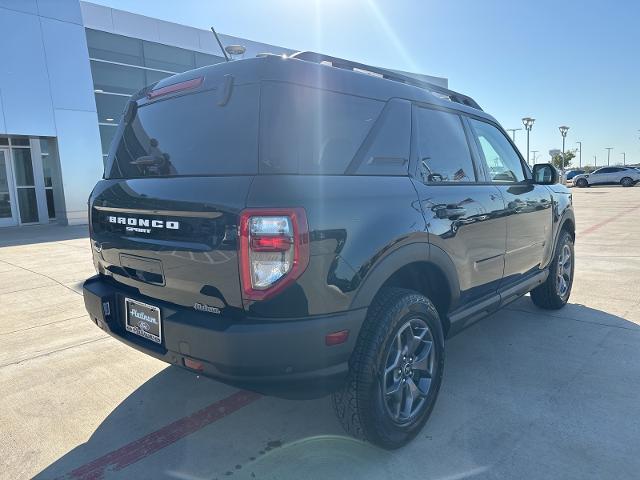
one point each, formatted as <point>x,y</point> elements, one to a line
<point>154,441</point>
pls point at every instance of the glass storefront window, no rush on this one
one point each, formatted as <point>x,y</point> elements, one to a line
<point>110,107</point>
<point>115,48</point>
<point>5,194</point>
<point>28,205</point>
<point>168,58</point>
<point>204,59</point>
<point>23,168</point>
<point>116,78</point>
<point>106,135</point>
<point>25,183</point>
<point>153,77</point>
<point>50,172</point>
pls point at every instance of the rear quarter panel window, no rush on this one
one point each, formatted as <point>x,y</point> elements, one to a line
<point>309,131</point>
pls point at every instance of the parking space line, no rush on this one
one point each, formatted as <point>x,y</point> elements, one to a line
<point>165,436</point>
<point>597,226</point>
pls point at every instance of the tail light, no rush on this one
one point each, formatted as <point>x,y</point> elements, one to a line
<point>274,250</point>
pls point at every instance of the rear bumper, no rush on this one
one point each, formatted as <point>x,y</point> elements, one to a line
<point>287,358</point>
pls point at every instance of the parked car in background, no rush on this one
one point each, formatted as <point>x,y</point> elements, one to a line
<point>569,175</point>
<point>625,176</point>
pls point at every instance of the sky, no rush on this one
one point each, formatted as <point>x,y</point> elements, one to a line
<point>574,63</point>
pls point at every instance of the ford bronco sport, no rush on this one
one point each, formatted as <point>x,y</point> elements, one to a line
<point>309,225</point>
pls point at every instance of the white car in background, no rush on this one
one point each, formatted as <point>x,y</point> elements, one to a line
<point>625,176</point>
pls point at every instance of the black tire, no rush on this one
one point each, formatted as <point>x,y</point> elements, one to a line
<point>627,182</point>
<point>360,405</point>
<point>550,295</point>
<point>581,183</point>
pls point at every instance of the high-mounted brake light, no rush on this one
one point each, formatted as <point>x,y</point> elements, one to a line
<point>176,87</point>
<point>274,250</point>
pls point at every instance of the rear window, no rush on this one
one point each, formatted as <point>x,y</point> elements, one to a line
<point>302,130</point>
<point>309,131</point>
<point>190,135</point>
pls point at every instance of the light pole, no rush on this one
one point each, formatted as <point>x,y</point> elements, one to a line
<point>534,155</point>
<point>580,143</point>
<point>624,158</point>
<point>608,149</point>
<point>563,131</point>
<point>595,161</point>
<point>513,133</point>
<point>528,125</point>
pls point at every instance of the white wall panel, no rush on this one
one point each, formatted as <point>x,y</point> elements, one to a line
<point>24,79</point>
<point>80,159</point>
<point>64,10</point>
<point>138,26</point>
<point>97,17</point>
<point>26,6</point>
<point>178,35</point>
<point>65,45</point>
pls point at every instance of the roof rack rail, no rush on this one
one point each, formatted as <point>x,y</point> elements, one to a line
<point>437,90</point>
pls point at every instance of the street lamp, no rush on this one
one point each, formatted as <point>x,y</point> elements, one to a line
<point>608,149</point>
<point>528,125</point>
<point>513,133</point>
<point>580,143</point>
<point>595,160</point>
<point>563,131</point>
<point>624,158</point>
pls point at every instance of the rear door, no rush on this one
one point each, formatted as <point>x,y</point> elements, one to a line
<point>464,215</point>
<point>165,219</point>
<point>527,211</point>
<point>600,176</point>
<point>616,175</point>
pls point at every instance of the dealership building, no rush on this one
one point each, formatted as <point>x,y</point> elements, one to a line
<point>65,76</point>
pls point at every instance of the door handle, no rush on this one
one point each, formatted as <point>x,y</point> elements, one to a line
<point>452,213</point>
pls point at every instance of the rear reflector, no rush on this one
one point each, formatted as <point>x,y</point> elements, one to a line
<point>193,365</point>
<point>176,87</point>
<point>336,338</point>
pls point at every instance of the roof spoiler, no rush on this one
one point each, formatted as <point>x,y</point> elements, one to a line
<point>437,90</point>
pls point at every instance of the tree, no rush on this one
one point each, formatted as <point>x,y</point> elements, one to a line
<point>561,163</point>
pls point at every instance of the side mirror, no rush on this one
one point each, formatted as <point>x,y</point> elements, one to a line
<point>545,174</point>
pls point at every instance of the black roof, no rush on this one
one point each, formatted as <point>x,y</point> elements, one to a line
<point>330,73</point>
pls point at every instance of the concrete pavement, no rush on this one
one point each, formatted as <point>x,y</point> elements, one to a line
<point>526,393</point>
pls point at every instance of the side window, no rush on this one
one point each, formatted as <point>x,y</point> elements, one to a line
<point>502,161</point>
<point>386,149</point>
<point>443,151</point>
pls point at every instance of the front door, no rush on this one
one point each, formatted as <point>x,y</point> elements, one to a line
<point>464,214</point>
<point>8,211</point>
<point>527,206</point>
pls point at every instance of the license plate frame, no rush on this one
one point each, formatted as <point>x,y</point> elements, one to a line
<point>145,320</point>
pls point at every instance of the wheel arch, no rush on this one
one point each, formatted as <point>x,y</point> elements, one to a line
<point>422,267</point>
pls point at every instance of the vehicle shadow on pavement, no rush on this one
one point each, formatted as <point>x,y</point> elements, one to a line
<point>527,393</point>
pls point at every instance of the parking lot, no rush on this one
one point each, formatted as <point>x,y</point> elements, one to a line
<point>526,394</point>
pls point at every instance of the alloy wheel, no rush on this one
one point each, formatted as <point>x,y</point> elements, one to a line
<point>563,273</point>
<point>409,370</point>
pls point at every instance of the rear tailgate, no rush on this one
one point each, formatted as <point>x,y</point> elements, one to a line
<point>171,238</point>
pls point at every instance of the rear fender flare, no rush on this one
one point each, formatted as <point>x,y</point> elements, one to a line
<point>405,255</point>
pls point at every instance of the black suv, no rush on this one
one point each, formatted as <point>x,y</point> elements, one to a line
<point>305,225</point>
